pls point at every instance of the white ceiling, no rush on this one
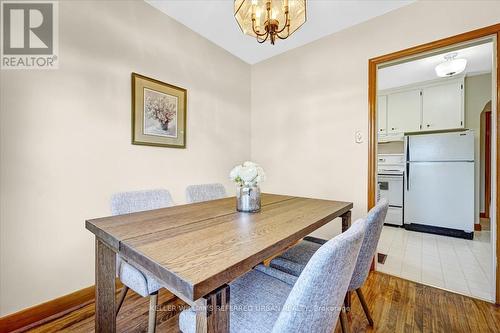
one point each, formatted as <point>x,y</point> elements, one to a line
<point>479,60</point>
<point>214,20</point>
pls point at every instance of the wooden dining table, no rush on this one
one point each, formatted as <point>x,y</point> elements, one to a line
<point>196,250</point>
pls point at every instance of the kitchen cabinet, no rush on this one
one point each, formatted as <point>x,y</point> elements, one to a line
<point>382,114</point>
<point>404,111</point>
<point>433,106</point>
<point>442,106</point>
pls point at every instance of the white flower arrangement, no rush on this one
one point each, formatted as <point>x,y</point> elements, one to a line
<point>247,174</point>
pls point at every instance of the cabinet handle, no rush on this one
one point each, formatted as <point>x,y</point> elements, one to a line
<point>428,125</point>
<point>393,128</point>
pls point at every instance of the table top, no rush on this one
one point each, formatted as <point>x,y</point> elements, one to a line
<point>194,249</point>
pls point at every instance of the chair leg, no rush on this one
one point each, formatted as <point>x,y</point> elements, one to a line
<point>347,302</point>
<point>121,298</point>
<point>344,324</point>
<point>153,302</point>
<point>365,306</point>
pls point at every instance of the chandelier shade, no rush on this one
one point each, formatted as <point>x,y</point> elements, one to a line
<point>270,19</point>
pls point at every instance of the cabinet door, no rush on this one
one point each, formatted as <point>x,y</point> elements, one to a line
<point>404,111</point>
<point>382,114</point>
<point>443,107</point>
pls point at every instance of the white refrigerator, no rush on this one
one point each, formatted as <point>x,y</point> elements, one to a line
<point>439,183</point>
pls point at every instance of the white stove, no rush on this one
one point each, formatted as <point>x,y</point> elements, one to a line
<point>390,181</point>
<point>391,164</point>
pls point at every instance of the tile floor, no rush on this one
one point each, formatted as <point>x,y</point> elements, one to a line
<point>463,266</point>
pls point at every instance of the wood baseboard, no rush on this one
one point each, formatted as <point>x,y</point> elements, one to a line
<point>50,310</point>
<point>477,227</point>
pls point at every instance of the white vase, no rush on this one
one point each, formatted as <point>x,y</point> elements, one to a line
<point>248,199</point>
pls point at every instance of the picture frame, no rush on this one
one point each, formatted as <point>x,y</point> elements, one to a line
<point>158,113</point>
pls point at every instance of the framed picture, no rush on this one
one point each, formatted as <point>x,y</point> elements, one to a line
<point>158,113</point>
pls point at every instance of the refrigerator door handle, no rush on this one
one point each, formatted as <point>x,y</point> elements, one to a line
<point>407,176</point>
<point>407,149</point>
<point>407,163</point>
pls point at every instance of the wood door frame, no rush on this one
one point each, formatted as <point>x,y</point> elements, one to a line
<point>490,31</point>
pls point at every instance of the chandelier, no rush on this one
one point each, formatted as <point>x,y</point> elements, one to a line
<point>270,19</point>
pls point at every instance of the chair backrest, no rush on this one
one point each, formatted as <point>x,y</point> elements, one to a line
<point>374,223</point>
<point>137,201</point>
<point>205,192</point>
<point>314,302</point>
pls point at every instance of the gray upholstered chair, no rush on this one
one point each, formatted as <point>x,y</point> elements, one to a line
<point>205,192</point>
<point>268,300</point>
<point>141,282</point>
<point>294,260</point>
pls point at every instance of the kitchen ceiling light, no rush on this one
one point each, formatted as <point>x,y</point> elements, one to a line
<point>270,19</point>
<point>451,66</point>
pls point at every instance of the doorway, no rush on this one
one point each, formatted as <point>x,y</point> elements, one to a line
<point>485,167</point>
<point>423,122</point>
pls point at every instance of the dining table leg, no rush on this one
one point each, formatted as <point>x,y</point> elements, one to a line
<point>346,223</point>
<point>212,313</point>
<point>346,220</point>
<point>105,272</point>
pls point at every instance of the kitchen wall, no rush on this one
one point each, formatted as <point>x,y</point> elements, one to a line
<point>65,138</point>
<point>477,95</point>
<point>308,102</point>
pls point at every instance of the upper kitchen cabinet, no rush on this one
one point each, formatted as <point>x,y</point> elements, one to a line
<point>404,111</point>
<point>382,114</point>
<point>443,106</point>
<point>431,106</point>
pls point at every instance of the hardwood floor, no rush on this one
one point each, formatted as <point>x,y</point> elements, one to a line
<point>396,305</point>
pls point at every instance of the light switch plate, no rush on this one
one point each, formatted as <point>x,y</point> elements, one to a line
<point>358,137</point>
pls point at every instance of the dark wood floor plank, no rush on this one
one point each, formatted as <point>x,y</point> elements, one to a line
<point>396,305</point>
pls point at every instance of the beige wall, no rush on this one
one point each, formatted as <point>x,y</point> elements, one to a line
<point>307,103</point>
<point>477,94</point>
<point>65,138</point>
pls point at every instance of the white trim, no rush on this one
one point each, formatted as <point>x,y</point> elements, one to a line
<point>477,73</point>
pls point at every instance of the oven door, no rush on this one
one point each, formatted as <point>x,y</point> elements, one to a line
<point>390,187</point>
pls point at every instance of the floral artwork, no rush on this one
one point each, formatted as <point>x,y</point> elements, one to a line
<point>160,114</point>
